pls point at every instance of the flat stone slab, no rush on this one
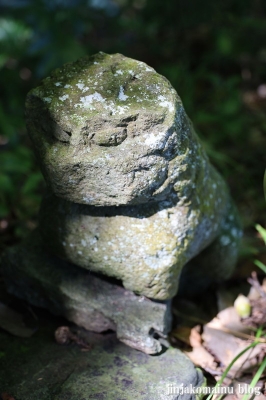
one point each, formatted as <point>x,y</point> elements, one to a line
<point>88,300</point>
<point>37,368</point>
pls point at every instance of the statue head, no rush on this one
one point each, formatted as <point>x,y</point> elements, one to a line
<point>106,130</point>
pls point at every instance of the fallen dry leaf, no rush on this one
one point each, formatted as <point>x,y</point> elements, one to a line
<point>242,387</point>
<point>230,322</point>
<point>195,337</point>
<point>230,397</point>
<point>225,347</point>
<point>229,319</point>
<point>258,313</point>
<point>257,298</point>
<point>264,285</point>
<point>202,358</point>
<point>187,335</point>
<point>182,333</point>
<point>12,322</point>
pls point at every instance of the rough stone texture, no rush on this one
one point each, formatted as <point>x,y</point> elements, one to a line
<point>109,130</point>
<point>215,263</point>
<point>131,195</point>
<point>39,369</point>
<point>134,195</point>
<point>86,299</point>
<point>145,246</point>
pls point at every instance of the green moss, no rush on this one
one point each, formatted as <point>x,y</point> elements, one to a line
<point>117,81</point>
<point>53,372</point>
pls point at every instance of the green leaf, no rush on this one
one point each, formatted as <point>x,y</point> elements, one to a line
<point>3,59</point>
<point>262,232</point>
<point>6,184</point>
<point>14,36</point>
<point>19,162</point>
<point>256,378</point>
<point>4,210</point>
<point>32,183</point>
<point>224,43</point>
<point>264,184</point>
<point>260,265</point>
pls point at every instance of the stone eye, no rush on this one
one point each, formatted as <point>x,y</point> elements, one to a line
<point>110,137</point>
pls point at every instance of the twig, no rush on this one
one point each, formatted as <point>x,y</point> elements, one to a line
<point>256,284</point>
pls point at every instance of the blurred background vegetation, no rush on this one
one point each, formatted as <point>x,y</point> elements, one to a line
<point>213,53</point>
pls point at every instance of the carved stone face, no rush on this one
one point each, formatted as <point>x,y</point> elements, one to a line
<point>108,130</point>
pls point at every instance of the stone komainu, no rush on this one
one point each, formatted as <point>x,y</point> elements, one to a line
<point>132,194</point>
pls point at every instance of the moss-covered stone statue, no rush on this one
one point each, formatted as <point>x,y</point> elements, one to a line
<point>131,193</point>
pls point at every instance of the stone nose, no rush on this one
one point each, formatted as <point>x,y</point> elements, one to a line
<point>110,137</point>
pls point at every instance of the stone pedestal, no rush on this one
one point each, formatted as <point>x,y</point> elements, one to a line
<point>91,301</point>
<point>109,371</point>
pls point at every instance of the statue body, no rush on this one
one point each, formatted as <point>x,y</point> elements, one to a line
<point>131,192</point>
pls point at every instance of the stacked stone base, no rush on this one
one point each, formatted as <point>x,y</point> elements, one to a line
<point>89,300</point>
<point>110,370</point>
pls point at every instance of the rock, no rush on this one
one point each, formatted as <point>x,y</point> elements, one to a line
<point>156,378</point>
<point>44,370</point>
<point>145,246</point>
<point>110,131</point>
<point>84,298</point>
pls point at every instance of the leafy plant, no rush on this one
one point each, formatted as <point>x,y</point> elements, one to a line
<point>257,375</point>
<point>262,232</point>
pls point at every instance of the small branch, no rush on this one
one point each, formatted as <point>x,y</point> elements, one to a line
<point>256,284</point>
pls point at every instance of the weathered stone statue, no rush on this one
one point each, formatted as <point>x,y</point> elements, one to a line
<point>131,195</point>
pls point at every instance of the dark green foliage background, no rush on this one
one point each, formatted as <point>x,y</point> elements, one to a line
<point>213,52</point>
